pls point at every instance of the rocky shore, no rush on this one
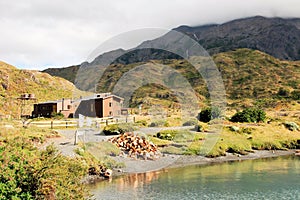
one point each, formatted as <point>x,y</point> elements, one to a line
<point>174,161</point>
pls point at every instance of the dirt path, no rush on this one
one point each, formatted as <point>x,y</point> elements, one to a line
<point>65,143</point>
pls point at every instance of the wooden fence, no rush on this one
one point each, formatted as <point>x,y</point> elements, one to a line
<point>73,123</point>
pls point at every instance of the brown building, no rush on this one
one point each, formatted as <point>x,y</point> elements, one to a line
<point>100,105</point>
<point>46,109</point>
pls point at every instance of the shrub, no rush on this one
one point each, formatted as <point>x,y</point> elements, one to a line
<point>27,173</point>
<point>283,92</point>
<point>295,95</point>
<point>191,122</point>
<point>176,135</point>
<point>116,129</point>
<point>209,113</point>
<point>249,115</point>
<point>159,123</point>
<point>199,128</point>
<point>141,122</point>
<point>55,115</point>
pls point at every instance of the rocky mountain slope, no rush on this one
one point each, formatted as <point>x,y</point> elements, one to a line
<point>246,73</point>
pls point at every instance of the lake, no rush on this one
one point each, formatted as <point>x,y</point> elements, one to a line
<point>271,178</point>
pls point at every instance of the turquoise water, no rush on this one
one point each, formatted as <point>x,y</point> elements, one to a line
<point>272,178</point>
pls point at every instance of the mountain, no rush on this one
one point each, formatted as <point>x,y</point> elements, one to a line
<point>249,53</point>
<point>14,82</point>
<point>247,74</point>
<point>276,36</point>
<point>67,73</point>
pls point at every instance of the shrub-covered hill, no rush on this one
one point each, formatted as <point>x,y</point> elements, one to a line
<point>14,82</point>
<point>246,73</point>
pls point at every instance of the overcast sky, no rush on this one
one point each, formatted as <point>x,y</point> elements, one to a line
<point>36,34</point>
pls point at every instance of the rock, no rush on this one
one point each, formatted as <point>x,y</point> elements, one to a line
<point>292,126</point>
<point>234,128</point>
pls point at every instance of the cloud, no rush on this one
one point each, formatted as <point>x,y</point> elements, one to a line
<point>38,34</point>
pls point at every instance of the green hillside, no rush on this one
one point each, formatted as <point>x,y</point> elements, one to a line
<point>247,74</point>
<point>14,82</point>
<point>250,77</point>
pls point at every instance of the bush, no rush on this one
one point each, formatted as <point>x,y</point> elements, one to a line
<point>249,115</point>
<point>57,115</point>
<point>199,128</point>
<point>283,92</point>
<point>208,114</point>
<point>295,95</point>
<point>191,122</point>
<point>116,129</point>
<point>176,135</point>
<point>27,173</point>
<point>141,122</point>
<point>159,123</point>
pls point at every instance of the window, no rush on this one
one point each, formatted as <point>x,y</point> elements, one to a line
<point>110,104</point>
<point>110,113</point>
<point>92,107</point>
<point>69,107</point>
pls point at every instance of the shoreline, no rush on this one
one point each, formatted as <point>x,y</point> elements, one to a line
<point>178,161</point>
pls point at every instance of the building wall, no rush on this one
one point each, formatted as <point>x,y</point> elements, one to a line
<point>46,109</point>
<point>112,106</point>
<point>64,105</point>
<point>43,110</point>
<point>90,108</point>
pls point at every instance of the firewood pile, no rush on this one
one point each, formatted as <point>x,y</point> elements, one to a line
<point>135,146</point>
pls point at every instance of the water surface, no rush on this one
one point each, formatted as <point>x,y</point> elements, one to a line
<point>272,178</point>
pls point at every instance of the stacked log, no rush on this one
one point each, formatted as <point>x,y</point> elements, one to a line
<point>135,146</point>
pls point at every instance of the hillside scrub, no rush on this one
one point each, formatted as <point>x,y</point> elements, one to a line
<point>28,173</point>
<point>249,115</point>
<point>116,129</point>
<point>208,114</point>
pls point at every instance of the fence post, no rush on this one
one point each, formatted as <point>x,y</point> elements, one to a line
<point>66,124</point>
<point>106,122</point>
<point>51,124</point>
<point>126,119</point>
<point>134,119</point>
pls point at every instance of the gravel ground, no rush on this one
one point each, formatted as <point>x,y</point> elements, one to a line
<point>66,145</point>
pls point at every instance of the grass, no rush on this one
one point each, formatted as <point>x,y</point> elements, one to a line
<point>249,137</point>
<point>99,154</point>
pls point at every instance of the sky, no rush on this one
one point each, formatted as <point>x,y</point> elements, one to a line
<point>37,34</point>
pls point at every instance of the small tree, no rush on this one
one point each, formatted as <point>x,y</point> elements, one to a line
<point>209,113</point>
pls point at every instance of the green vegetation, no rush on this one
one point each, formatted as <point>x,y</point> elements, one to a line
<point>14,82</point>
<point>116,129</point>
<point>208,114</point>
<point>247,74</point>
<point>57,115</point>
<point>190,122</point>
<point>97,155</point>
<point>28,173</point>
<point>159,123</point>
<point>249,115</point>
